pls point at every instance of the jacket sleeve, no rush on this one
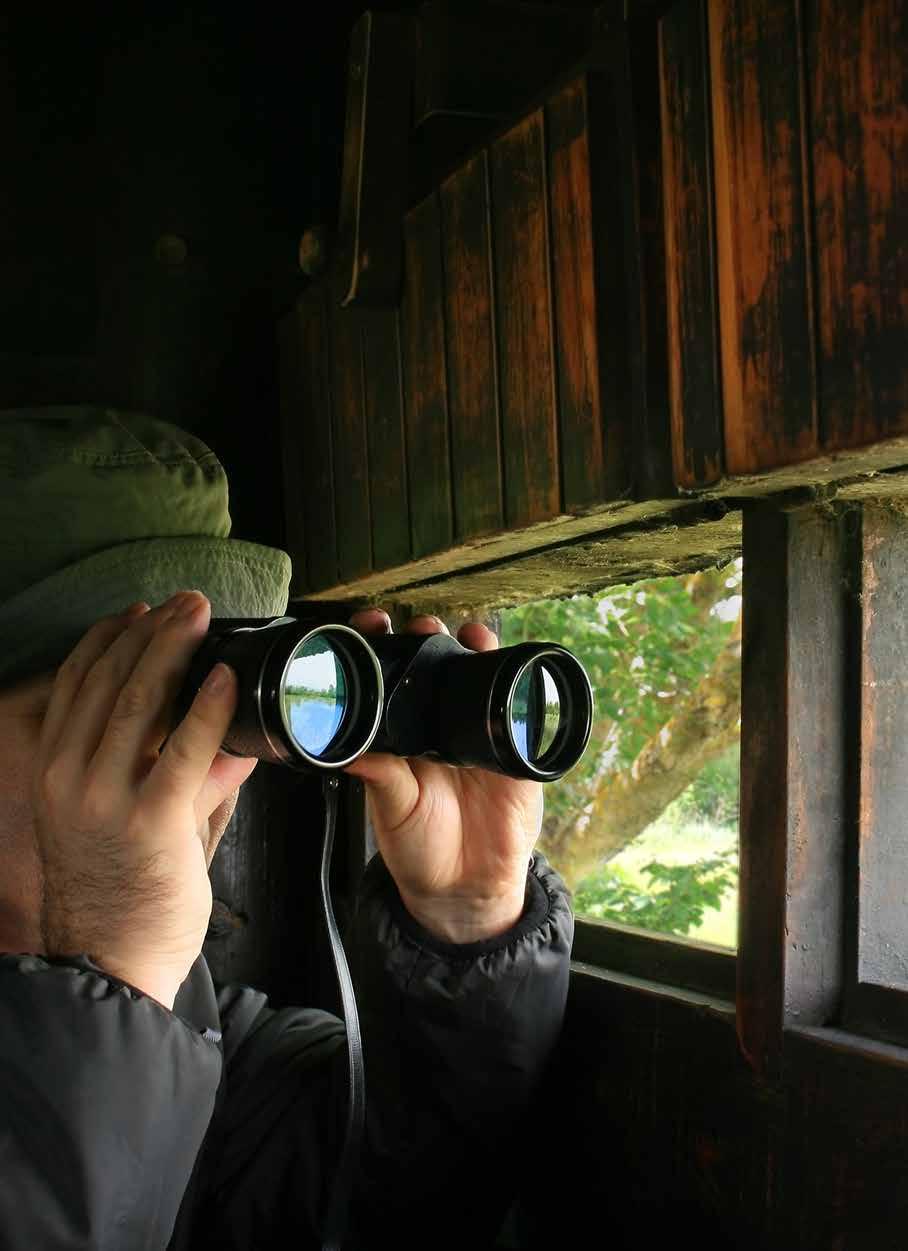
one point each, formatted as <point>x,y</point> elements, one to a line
<point>105,1098</point>
<point>455,1040</point>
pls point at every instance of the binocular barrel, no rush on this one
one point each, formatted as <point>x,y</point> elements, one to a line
<point>315,697</point>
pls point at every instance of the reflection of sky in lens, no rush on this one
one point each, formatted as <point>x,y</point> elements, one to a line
<point>527,725</point>
<point>315,695</point>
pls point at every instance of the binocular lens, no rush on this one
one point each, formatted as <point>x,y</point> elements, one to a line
<point>314,694</point>
<point>536,712</point>
<point>326,686</point>
<point>317,696</point>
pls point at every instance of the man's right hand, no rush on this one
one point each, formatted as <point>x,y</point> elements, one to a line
<point>126,831</point>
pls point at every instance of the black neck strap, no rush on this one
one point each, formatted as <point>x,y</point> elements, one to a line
<point>338,1206</point>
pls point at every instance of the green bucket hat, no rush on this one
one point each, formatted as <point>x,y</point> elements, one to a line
<point>99,509</point>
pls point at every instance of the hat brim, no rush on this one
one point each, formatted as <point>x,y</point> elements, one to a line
<point>41,626</point>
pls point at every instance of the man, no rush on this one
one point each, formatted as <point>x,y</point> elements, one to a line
<point>140,1105</point>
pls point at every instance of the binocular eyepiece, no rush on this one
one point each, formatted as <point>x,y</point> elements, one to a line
<point>316,697</point>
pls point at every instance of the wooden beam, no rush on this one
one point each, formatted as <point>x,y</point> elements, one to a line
<point>878,973</point>
<point>793,766</point>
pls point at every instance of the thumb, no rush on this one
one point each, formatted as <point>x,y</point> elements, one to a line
<point>391,788</point>
<point>225,775</point>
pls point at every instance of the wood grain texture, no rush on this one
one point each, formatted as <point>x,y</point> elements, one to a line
<point>636,183</point>
<point>524,323</point>
<point>693,347</point>
<point>793,767</point>
<point>351,467</point>
<point>574,288</point>
<point>292,436</point>
<point>840,1162</point>
<point>316,481</point>
<point>762,232</point>
<point>424,381</point>
<point>471,355</point>
<point>383,404</point>
<point>883,720</point>
<point>374,178</point>
<point>858,68</point>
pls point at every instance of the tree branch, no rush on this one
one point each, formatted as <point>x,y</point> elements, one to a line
<point>626,802</point>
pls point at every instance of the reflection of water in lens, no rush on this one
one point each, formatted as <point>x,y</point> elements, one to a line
<point>315,694</point>
<point>535,712</point>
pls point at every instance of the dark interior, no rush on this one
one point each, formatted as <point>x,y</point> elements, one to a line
<point>164,162</point>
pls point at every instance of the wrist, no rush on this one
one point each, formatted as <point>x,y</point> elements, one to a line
<point>153,983</point>
<point>463,919</point>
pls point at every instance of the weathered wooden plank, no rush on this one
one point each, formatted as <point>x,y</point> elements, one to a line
<point>612,321</point>
<point>659,958</point>
<point>697,446</point>
<point>317,454</point>
<point>458,69</point>
<point>793,766</point>
<point>266,926</point>
<point>384,415</point>
<point>424,380</point>
<point>524,323</point>
<point>577,324</point>
<point>858,75</point>
<point>839,1165</point>
<point>351,467</point>
<point>636,183</point>
<point>883,850</point>
<point>471,356</point>
<point>291,446</point>
<point>765,303</point>
<point>374,177</point>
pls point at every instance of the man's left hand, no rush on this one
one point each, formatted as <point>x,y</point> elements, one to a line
<point>456,841</point>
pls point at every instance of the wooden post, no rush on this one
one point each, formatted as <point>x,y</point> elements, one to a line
<point>793,768</point>
<point>876,977</point>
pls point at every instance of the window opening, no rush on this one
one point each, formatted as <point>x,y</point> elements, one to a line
<point>645,829</point>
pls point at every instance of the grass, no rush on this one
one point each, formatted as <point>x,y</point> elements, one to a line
<point>680,843</point>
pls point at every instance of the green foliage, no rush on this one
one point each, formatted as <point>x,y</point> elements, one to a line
<point>646,647</point>
<point>713,795</point>
<point>679,895</point>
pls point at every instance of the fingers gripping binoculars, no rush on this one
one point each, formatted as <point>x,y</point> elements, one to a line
<point>316,697</point>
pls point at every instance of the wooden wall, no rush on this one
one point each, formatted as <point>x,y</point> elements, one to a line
<point>684,268</point>
<point>492,397</point>
<point>772,1114</point>
<point>681,270</point>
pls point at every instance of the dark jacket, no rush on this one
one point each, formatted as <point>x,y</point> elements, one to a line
<point>124,1126</point>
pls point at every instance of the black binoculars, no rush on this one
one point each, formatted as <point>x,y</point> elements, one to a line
<point>316,696</point>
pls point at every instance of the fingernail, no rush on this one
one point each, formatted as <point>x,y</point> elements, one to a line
<point>217,679</point>
<point>370,615</point>
<point>189,604</point>
<point>133,610</point>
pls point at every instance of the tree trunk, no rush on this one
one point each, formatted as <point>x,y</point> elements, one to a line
<point>627,802</point>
